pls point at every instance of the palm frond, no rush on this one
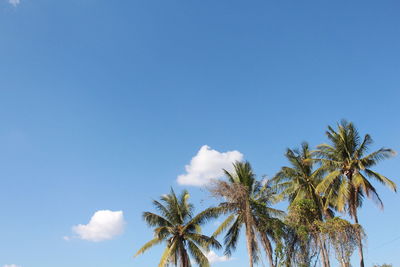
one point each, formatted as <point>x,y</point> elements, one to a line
<point>153,219</point>
<point>224,225</point>
<point>364,146</point>
<point>204,241</point>
<point>323,186</point>
<point>382,179</point>
<point>168,252</point>
<point>148,245</point>
<point>377,156</point>
<point>232,236</point>
<point>206,215</point>
<point>360,181</point>
<point>343,195</point>
<point>198,255</point>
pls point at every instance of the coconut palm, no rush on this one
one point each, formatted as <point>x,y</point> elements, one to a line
<point>179,230</point>
<point>246,201</point>
<point>299,181</point>
<point>349,170</point>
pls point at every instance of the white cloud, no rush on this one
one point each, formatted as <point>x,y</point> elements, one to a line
<point>14,3</point>
<point>213,257</point>
<point>104,225</point>
<point>11,265</point>
<point>208,165</point>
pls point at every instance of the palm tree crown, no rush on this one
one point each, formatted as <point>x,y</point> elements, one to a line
<point>349,168</point>
<point>300,179</point>
<point>180,230</point>
<point>247,203</point>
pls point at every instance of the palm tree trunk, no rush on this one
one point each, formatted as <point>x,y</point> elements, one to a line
<point>360,245</point>
<point>249,245</point>
<point>268,249</point>
<point>353,212</point>
<point>184,258</point>
<point>328,263</point>
<point>324,251</point>
<point>344,263</point>
<point>324,254</point>
<point>249,233</point>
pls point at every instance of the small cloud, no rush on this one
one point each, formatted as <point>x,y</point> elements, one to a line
<point>11,265</point>
<point>104,225</point>
<point>213,257</point>
<point>207,165</point>
<point>14,3</point>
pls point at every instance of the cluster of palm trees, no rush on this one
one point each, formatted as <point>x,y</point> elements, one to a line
<point>317,184</point>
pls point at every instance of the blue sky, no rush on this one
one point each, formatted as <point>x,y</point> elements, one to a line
<point>103,103</point>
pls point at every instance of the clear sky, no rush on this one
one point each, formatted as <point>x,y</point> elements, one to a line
<point>103,103</point>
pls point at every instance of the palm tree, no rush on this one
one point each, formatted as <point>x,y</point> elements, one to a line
<point>299,181</point>
<point>349,168</point>
<point>179,230</point>
<point>246,201</point>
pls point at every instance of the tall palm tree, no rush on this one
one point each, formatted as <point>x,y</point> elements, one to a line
<point>349,167</point>
<point>180,230</point>
<point>246,201</point>
<point>299,181</point>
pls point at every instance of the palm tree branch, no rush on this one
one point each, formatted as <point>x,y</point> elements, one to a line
<point>232,236</point>
<point>323,186</point>
<point>379,155</point>
<point>368,188</point>
<point>204,216</point>
<point>382,179</point>
<point>153,219</point>
<point>169,250</point>
<point>198,255</point>
<point>204,241</point>
<point>225,224</point>
<point>148,245</point>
